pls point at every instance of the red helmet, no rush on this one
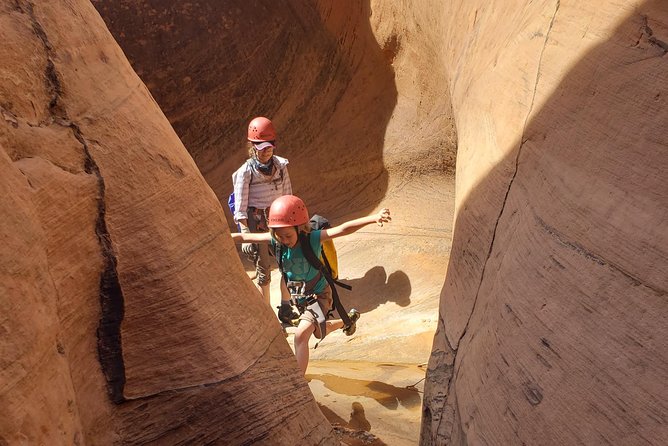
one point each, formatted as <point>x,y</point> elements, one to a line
<point>261,129</point>
<point>287,211</point>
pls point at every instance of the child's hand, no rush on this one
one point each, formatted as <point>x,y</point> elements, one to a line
<point>383,217</point>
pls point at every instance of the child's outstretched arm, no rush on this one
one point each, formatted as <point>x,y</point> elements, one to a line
<point>251,237</point>
<point>353,225</point>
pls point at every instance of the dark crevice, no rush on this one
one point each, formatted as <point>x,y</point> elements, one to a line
<point>53,84</point>
<point>111,295</point>
<point>51,80</point>
<point>109,343</point>
<point>447,409</point>
<point>437,423</point>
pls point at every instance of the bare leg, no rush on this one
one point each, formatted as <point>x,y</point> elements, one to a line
<point>334,325</point>
<point>302,335</point>
<point>304,331</point>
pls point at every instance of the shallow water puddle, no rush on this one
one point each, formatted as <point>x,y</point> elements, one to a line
<point>384,399</point>
<point>386,394</point>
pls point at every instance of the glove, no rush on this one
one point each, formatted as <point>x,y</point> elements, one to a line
<point>286,314</point>
<point>250,249</point>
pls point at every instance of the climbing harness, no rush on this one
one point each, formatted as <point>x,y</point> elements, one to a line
<point>307,250</point>
<point>307,303</point>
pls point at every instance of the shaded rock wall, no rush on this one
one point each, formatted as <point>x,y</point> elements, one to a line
<point>553,308</point>
<point>323,71</point>
<point>215,65</point>
<point>123,316</point>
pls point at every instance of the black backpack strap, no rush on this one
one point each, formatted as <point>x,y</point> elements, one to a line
<point>305,241</point>
<point>329,268</point>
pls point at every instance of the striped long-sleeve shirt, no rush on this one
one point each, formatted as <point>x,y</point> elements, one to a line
<point>262,190</point>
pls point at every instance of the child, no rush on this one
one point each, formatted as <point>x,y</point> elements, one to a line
<point>288,218</point>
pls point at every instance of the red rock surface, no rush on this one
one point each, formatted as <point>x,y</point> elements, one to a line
<point>123,316</point>
<point>553,311</point>
<point>552,317</point>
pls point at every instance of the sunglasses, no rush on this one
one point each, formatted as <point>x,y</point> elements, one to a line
<point>264,145</point>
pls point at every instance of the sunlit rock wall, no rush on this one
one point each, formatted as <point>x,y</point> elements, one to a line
<point>553,312</point>
<point>123,318</point>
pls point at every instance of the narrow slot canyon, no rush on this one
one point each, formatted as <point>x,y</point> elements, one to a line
<point>518,295</point>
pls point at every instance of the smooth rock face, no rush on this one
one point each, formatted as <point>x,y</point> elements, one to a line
<point>553,309</point>
<point>123,316</point>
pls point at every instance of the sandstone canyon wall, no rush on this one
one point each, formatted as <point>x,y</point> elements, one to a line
<point>553,310</point>
<point>123,316</point>
<point>552,316</point>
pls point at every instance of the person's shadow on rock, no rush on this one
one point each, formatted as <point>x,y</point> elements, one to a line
<point>376,288</point>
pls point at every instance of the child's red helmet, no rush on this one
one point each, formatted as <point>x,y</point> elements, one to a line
<point>261,129</point>
<point>287,211</point>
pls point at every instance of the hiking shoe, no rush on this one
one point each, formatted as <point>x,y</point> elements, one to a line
<point>354,315</point>
<point>287,315</point>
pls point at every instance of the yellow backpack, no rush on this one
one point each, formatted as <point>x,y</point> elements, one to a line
<point>328,256</point>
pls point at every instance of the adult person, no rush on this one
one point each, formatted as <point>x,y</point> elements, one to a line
<point>261,179</point>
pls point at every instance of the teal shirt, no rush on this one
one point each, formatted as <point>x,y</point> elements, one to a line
<point>297,268</point>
